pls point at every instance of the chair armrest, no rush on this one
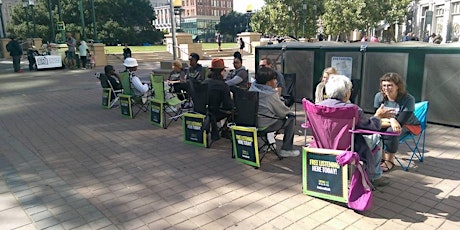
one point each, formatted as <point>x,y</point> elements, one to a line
<point>365,131</point>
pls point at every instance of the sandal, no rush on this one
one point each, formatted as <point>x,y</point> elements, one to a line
<point>387,166</point>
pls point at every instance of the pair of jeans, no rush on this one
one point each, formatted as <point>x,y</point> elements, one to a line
<point>17,63</point>
<point>288,126</point>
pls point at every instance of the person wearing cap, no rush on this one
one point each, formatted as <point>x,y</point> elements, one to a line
<point>139,88</point>
<point>195,71</point>
<point>238,77</point>
<point>16,53</point>
<point>113,77</point>
<point>31,53</point>
<point>276,115</point>
<point>219,100</point>
<point>83,51</point>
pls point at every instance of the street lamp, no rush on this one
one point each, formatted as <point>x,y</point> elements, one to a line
<point>82,18</point>
<point>32,4</point>
<point>1,16</point>
<point>25,5</point>
<point>173,4</point>
<point>53,33</point>
<point>248,15</point>
<point>289,24</point>
<point>304,7</point>
<point>93,13</point>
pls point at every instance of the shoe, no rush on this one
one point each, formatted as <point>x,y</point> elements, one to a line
<point>289,153</point>
<point>20,71</point>
<point>387,166</point>
<point>383,181</point>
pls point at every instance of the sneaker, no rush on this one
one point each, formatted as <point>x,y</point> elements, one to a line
<point>289,153</point>
<point>20,71</point>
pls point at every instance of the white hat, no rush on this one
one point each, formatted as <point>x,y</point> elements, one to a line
<point>130,62</point>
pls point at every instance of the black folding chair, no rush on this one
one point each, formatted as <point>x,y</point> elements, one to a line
<point>290,94</point>
<point>247,108</point>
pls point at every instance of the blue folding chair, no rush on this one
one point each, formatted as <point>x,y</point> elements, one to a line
<point>416,143</point>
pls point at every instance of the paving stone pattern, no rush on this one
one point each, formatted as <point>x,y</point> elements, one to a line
<point>67,163</point>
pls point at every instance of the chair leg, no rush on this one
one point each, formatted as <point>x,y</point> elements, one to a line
<point>415,150</point>
<point>115,100</point>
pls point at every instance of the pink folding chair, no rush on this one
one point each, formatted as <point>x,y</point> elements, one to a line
<point>333,131</point>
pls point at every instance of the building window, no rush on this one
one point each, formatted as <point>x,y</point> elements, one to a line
<point>439,10</point>
<point>455,7</point>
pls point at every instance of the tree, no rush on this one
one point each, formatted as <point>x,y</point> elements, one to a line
<point>232,24</point>
<point>341,17</point>
<point>287,17</point>
<point>116,20</point>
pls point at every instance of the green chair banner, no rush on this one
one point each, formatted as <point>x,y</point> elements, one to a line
<point>322,176</point>
<point>245,147</point>
<point>193,134</point>
<point>156,113</point>
<point>125,106</point>
<point>106,97</point>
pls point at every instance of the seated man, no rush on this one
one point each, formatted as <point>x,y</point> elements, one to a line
<point>338,91</point>
<point>275,114</point>
<point>138,87</point>
<point>220,103</point>
<point>111,76</point>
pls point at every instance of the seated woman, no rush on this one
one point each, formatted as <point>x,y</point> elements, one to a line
<point>220,103</point>
<point>320,93</point>
<point>239,76</point>
<point>177,79</point>
<point>338,91</point>
<point>399,105</point>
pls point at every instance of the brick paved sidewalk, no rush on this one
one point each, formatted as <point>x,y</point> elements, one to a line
<point>66,163</point>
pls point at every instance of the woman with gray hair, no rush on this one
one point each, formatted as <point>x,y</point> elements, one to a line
<point>338,91</point>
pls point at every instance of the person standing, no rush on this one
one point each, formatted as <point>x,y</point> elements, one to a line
<point>16,53</point>
<point>242,45</point>
<point>126,51</point>
<point>83,51</point>
<point>219,41</point>
<point>71,47</point>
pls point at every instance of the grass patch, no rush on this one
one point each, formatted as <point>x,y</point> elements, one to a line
<point>160,48</point>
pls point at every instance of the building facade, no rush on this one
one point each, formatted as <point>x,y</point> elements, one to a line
<point>439,17</point>
<point>196,17</point>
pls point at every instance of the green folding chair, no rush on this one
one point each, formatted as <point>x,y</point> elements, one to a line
<point>169,104</point>
<point>128,99</point>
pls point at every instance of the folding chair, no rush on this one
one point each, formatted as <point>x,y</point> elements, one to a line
<point>331,136</point>
<point>416,141</point>
<point>128,98</point>
<point>247,107</point>
<point>110,96</point>
<point>169,105</point>
<point>290,94</point>
<point>333,130</point>
<point>199,95</point>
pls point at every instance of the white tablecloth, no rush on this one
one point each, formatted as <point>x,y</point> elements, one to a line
<point>48,61</point>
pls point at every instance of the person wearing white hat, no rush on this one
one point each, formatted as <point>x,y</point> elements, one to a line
<point>139,88</point>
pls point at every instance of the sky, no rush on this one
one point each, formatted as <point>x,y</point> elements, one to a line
<point>241,5</point>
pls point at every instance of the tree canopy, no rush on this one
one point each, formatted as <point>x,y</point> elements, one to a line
<point>305,18</point>
<point>117,21</point>
<point>232,23</point>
